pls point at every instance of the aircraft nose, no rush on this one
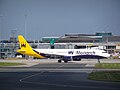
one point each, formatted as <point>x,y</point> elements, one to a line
<point>108,55</point>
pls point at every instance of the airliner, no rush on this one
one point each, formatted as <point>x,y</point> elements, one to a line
<point>63,54</point>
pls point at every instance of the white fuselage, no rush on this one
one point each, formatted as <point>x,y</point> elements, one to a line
<point>80,53</point>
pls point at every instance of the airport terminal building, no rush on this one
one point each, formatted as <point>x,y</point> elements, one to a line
<point>77,41</point>
<point>102,40</point>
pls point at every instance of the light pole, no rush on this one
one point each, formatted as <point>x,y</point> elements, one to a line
<point>13,39</point>
<point>1,26</point>
<point>13,32</point>
<point>0,32</point>
<point>107,41</point>
<point>25,25</point>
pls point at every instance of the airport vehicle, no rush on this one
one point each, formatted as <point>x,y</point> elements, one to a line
<point>64,54</point>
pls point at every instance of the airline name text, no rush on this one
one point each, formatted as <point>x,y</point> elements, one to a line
<point>85,53</point>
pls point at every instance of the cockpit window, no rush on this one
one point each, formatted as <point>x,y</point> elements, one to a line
<point>105,51</point>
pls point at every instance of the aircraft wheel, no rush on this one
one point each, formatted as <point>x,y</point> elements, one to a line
<point>59,61</point>
<point>66,61</point>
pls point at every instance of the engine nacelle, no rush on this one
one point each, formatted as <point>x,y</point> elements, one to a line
<point>76,59</point>
<point>67,58</point>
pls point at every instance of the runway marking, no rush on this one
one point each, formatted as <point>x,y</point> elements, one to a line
<point>23,80</point>
<point>30,76</point>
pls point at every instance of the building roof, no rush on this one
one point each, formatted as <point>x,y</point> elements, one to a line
<point>86,38</point>
<point>77,39</point>
<point>111,39</point>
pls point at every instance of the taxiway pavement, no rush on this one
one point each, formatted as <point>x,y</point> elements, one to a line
<point>50,75</point>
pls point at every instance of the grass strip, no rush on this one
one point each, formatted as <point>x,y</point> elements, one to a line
<point>108,65</point>
<point>112,76</point>
<point>9,64</point>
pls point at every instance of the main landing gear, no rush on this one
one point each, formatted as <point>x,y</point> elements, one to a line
<point>59,61</point>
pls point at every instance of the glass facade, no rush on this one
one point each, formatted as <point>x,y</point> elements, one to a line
<point>8,50</point>
<point>104,34</point>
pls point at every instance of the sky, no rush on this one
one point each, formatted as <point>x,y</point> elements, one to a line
<point>35,19</point>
